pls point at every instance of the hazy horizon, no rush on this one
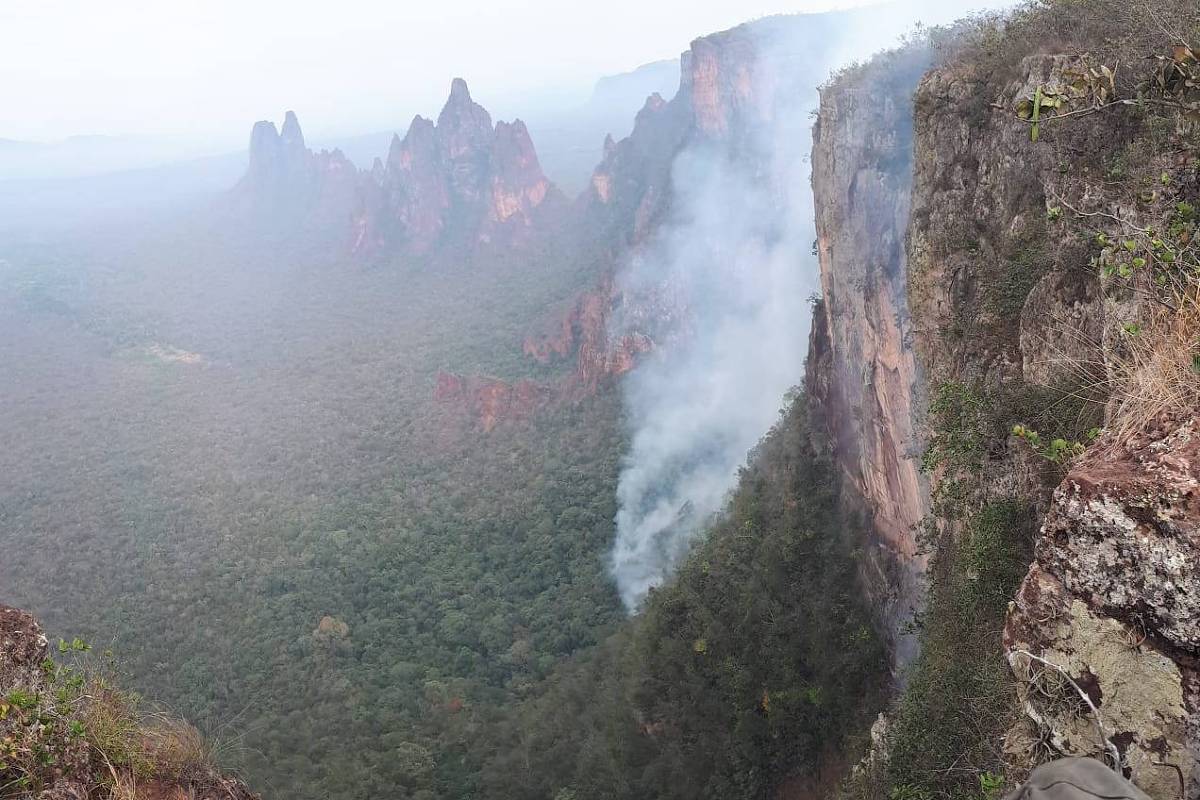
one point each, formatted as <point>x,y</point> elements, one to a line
<point>204,75</point>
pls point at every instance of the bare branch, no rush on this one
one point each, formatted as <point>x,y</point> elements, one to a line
<point>1106,744</point>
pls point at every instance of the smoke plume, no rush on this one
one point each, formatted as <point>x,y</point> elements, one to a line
<point>733,267</point>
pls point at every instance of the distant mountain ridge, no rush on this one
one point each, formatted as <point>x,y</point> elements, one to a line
<point>458,181</point>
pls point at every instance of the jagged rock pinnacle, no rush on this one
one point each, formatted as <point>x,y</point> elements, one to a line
<point>291,134</point>
<point>459,90</point>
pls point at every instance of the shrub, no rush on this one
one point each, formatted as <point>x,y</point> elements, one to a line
<point>948,724</point>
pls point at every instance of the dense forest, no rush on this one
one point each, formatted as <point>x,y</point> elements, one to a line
<point>752,665</point>
<point>255,499</point>
<point>236,456</point>
<point>281,534</point>
<point>354,512</point>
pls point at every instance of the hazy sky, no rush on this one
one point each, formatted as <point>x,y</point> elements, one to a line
<point>207,69</point>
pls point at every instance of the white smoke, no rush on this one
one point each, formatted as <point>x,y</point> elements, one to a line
<point>735,261</point>
<point>704,403</point>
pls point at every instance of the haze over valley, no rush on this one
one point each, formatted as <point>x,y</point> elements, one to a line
<point>470,403</point>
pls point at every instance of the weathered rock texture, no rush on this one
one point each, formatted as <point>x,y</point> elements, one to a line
<point>1006,300</point>
<point>490,401</point>
<point>460,179</point>
<point>23,646</point>
<point>1124,531</point>
<point>1114,599</point>
<point>863,380</point>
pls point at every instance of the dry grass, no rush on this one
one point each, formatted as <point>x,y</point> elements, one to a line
<point>81,728</point>
<point>1160,371</point>
<point>1155,372</point>
<point>177,751</point>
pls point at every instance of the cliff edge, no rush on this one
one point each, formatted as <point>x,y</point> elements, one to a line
<point>67,732</point>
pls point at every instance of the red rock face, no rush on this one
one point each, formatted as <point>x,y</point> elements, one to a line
<point>517,183</point>
<point>490,401</point>
<point>630,194</point>
<point>631,182</point>
<point>720,77</point>
<point>862,379</point>
<point>460,180</point>
<point>415,191</point>
<point>583,332</point>
<point>725,94</point>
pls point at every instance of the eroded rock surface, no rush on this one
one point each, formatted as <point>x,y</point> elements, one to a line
<point>863,378</point>
<point>1114,599</point>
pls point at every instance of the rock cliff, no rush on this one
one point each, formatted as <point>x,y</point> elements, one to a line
<point>1022,296</point>
<point>68,733</point>
<point>734,87</point>
<point>863,379</point>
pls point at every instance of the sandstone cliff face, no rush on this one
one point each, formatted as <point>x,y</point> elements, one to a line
<point>732,84</point>
<point>1007,299</point>
<point>863,380</point>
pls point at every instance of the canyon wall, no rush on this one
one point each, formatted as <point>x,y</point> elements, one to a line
<point>989,314</point>
<point>862,378</point>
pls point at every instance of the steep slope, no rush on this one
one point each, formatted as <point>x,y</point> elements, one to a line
<point>862,377</point>
<point>742,677</point>
<point>69,732</point>
<point>1048,258</point>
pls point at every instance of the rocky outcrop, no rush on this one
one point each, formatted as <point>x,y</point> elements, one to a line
<point>1113,599</point>
<point>1124,531</point>
<point>582,332</point>
<point>732,86</point>
<point>490,401</point>
<point>23,647</point>
<point>49,727</point>
<point>863,381</point>
<point>460,181</point>
<point>288,185</point>
<point>727,90</point>
<point>630,185</point>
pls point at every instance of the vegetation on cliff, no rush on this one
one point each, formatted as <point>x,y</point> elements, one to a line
<point>1062,304</point>
<point>68,731</point>
<point>752,665</point>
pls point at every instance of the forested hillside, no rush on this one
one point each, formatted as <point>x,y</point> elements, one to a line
<point>331,464</point>
<point>231,468</point>
<point>423,479</point>
<point>745,675</point>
